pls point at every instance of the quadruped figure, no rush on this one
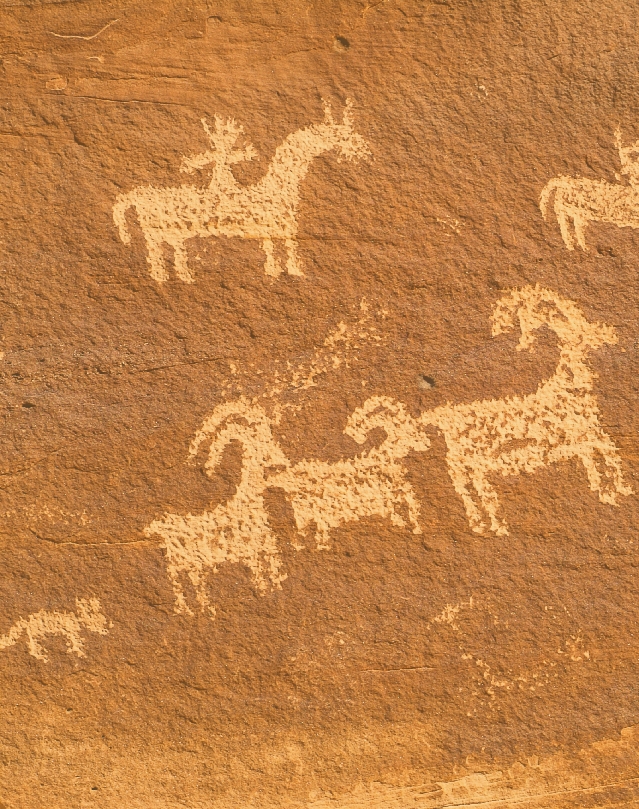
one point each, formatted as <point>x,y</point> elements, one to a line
<point>266,211</point>
<point>579,200</point>
<point>485,439</point>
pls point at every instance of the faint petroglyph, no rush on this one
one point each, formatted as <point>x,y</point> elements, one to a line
<point>582,200</point>
<point>451,613</point>
<point>68,624</point>
<point>238,530</point>
<point>373,484</point>
<point>266,211</point>
<point>517,434</point>
<point>601,774</point>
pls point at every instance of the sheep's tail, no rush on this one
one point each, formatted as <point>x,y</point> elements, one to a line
<point>122,204</point>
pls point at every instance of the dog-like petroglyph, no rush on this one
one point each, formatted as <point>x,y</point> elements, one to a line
<point>582,200</point>
<point>484,439</point>
<point>519,434</point>
<point>266,211</point>
<point>68,624</point>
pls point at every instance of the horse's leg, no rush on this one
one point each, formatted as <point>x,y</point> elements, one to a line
<point>180,259</point>
<point>562,218</point>
<point>580,231</point>
<point>155,258</point>
<point>292,264</point>
<point>271,266</point>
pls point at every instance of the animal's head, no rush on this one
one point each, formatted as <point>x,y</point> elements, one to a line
<point>342,136</point>
<point>223,152</point>
<point>403,432</point>
<point>534,307</point>
<point>629,157</point>
<point>246,422</point>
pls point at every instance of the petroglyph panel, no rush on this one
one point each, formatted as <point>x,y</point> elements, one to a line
<point>319,436</point>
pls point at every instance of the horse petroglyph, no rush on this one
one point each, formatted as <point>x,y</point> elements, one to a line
<point>524,433</point>
<point>266,211</point>
<point>68,624</point>
<point>582,200</point>
<point>508,436</point>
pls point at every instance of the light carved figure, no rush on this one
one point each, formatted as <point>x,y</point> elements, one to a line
<point>582,200</point>
<point>266,211</point>
<point>520,434</point>
<point>373,484</point>
<point>68,624</point>
<point>322,495</point>
<point>236,531</point>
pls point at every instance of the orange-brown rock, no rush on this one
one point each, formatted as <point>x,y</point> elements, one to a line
<point>319,458</point>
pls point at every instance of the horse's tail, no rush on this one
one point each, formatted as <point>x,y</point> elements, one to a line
<point>122,204</point>
<point>550,187</point>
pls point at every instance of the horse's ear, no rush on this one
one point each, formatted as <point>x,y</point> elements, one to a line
<point>618,142</point>
<point>348,113</point>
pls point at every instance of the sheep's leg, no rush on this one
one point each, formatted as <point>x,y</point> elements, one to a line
<point>272,267</point>
<point>293,265</point>
<point>603,469</point>
<point>490,503</point>
<point>461,482</point>
<point>155,259</point>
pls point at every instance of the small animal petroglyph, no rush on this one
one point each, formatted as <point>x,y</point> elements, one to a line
<point>323,495</point>
<point>584,200</point>
<point>373,484</point>
<point>266,211</point>
<point>68,624</point>
<point>524,433</point>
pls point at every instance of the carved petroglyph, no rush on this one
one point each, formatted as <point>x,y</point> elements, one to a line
<point>323,495</point>
<point>508,436</point>
<point>235,531</point>
<point>266,211</point>
<point>582,200</point>
<point>373,484</point>
<point>517,434</point>
<point>68,624</point>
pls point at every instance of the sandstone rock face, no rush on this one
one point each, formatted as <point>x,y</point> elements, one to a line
<point>319,460</point>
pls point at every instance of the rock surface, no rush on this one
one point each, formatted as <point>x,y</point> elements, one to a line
<point>319,446</point>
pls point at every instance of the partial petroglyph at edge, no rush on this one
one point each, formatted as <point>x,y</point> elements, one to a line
<point>583,200</point>
<point>266,211</point>
<point>69,625</point>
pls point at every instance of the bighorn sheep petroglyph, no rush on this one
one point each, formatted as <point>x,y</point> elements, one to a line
<point>373,484</point>
<point>237,530</point>
<point>266,211</point>
<point>584,200</point>
<point>519,434</point>
<point>325,495</point>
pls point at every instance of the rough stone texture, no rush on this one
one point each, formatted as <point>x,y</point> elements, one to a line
<point>385,668</point>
